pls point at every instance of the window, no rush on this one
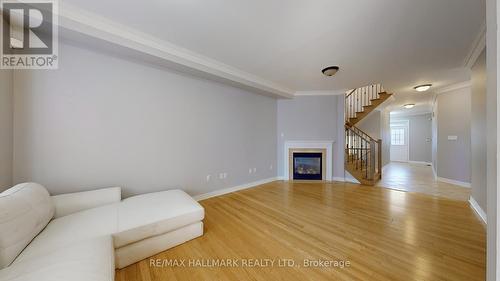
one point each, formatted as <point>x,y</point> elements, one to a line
<point>397,136</point>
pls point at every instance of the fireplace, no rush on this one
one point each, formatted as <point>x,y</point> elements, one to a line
<point>307,166</point>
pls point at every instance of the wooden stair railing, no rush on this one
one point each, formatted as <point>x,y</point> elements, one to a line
<point>361,101</point>
<point>363,154</point>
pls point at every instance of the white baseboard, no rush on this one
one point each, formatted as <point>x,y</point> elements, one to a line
<point>459,183</point>
<point>477,208</point>
<point>233,189</point>
<point>340,179</point>
<point>353,180</point>
<point>350,178</point>
<point>420,162</point>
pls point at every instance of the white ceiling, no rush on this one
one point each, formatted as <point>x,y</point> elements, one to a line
<point>399,43</point>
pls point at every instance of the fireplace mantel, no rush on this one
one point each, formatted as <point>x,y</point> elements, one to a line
<point>309,145</point>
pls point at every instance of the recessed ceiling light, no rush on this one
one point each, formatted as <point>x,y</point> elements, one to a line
<point>409,105</point>
<point>423,88</point>
<point>330,71</point>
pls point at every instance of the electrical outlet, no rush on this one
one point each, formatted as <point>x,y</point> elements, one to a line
<point>208,178</point>
<point>250,170</point>
<point>225,175</point>
<point>221,175</point>
<point>254,170</point>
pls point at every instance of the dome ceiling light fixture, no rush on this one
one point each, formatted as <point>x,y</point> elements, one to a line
<point>330,71</point>
<point>422,88</point>
<point>409,105</point>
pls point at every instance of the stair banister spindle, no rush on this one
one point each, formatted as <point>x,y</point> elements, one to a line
<point>364,153</point>
<point>366,98</point>
<point>357,102</point>
<point>362,146</point>
<point>363,100</point>
<point>360,100</point>
<point>379,156</point>
<point>360,96</point>
<point>357,152</point>
<point>372,160</point>
<point>354,151</point>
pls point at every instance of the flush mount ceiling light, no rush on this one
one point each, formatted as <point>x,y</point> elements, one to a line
<point>330,71</point>
<point>423,88</point>
<point>409,105</point>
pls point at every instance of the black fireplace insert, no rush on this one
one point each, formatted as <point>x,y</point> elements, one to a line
<point>307,166</point>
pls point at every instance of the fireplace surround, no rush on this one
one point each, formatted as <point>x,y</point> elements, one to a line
<point>323,147</point>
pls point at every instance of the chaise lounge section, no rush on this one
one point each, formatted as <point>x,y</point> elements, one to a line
<point>89,234</point>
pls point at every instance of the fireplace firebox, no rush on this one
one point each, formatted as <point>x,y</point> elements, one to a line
<point>307,166</point>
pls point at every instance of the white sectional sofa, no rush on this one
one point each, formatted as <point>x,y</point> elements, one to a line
<point>86,235</point>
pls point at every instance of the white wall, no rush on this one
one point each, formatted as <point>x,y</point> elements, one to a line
<point>104,121</point>
<point>453,157</point>
<point>6,113</point>
<point>420,137</point>
<point>312,118</point>
<point>478,132</point>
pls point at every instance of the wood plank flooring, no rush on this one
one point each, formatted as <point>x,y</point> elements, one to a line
<point>384,234</point>
<point>420,178</point>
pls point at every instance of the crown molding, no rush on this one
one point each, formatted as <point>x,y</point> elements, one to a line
<point>477,47</point>
<point>319,93</point>
<point>454,87</point>
<point>100,32</point>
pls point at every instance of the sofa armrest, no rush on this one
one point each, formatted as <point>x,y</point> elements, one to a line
<point>69,203</point>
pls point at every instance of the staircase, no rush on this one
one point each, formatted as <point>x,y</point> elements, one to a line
<point>363,154</point>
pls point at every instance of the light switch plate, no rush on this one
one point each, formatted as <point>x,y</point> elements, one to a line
<point>452,138</point>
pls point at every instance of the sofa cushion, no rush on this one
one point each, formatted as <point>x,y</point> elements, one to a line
<point>68,230</point>
<point>25,210</point>
<point>92,259</point>
<point>152,214</point>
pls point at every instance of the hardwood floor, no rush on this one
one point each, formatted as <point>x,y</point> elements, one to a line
<point>420,178</point>
<point>384,234</point>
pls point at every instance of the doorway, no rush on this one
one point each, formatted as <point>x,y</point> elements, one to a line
<point>399,141</point>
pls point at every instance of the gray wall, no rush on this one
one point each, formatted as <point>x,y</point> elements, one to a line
<point>104,121</point>
<point>6,113</point>
<point>478,131</point>
<point>385,131</point>
<point>420,137</point>
<point>434,133</point>
<point>453,157</point>
<point>311,118</point>
<point>377,125</point>
<point>492,22</point>
<point>371,124</point>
